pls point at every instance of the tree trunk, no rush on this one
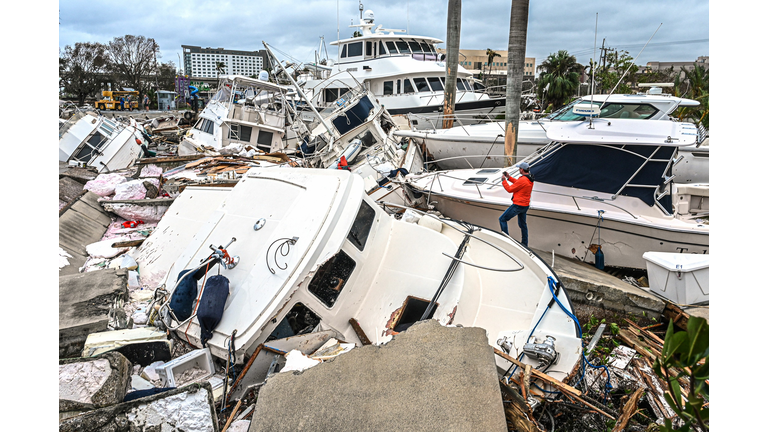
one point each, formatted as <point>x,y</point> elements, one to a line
<point>451,61</point>
<point>518,31</point>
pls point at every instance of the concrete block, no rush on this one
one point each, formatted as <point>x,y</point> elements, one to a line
<point>429,377</point>
<point>85,300</point>
<point>140,345</point>
<point>86,384</point>
<point>189,408</point>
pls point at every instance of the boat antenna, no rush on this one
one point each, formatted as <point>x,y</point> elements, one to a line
<point>630,66</point>
<point>337,30</point>
<point>594,54</point>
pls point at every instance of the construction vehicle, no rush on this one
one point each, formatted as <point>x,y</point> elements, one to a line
<point>111,100</point>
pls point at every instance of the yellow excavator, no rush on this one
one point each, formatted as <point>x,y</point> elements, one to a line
<point>111,100</point>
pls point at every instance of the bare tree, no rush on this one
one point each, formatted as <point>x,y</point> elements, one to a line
<point>518,32</point>
<point>451,61</point>
<point>133,60</point>
<point>82,68</point>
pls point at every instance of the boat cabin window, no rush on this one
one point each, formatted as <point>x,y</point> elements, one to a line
<point>407,86</point>
<point>415,47</point>
<point>435,83</point>
<point>205,125</point>
<point>331,277</point>
<point>358,235</point>
<point>369,49</point>
<point>355,49</point>
<point>460,85</point>
<point>95,142</point>
<point>298,321</point>
<point>391,47</point>
<point>472,181</point>
<point>344,51</point>
<point>421,84</point>
<point>382,50</point>
<point>240,133</point>
<point>610,110</point>
<point>397,90</point>
<point>426,48</point>
<point>402,46</point>
<point>387,87</point>
<point>264,141</point>
<point>331,94</point>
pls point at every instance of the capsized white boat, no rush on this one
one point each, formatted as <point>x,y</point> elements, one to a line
<point>608,183</point>
<point>90,139</point>
<point>482,145</point>
<point>307,251</point>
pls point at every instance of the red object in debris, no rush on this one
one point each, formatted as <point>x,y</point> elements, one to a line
<point>343,163</point>
<point>138,141</point>
<point>132,224</point>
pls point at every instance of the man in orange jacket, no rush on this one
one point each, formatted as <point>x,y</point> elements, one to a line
<point>521,200</point>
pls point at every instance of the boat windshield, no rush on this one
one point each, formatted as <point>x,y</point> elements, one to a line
<point>609,110</point>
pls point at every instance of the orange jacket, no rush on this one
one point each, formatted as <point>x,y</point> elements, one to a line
<point>521,188</point>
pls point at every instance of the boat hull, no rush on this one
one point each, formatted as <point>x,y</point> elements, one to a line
<point>570,234</point>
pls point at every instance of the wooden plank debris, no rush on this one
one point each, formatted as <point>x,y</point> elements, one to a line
<point>628,411</point>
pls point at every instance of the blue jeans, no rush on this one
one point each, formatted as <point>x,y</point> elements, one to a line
<point>520,212</point>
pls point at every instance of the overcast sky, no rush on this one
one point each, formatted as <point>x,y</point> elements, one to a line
<point>294,27</point>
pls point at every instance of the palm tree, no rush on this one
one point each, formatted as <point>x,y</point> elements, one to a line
<point>696,84</point>
<point>560,77</point>
<point>491,55</point>
<point>219,68</point>
<point>518,35</point>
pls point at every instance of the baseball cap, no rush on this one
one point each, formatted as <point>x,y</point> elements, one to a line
<point>524,166</point>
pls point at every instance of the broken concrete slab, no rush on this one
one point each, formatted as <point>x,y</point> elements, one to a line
<point>86,384</point>
<point>185,409</point>
<point>429,377</point>
<point>141,346</point>
<point>589,286</point>
<point>82,223</point>
<point>85,300</point>
<point>69,190</point>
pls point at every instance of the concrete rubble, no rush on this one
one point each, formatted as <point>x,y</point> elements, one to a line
<point>398,386</point>
<point>87,384</point>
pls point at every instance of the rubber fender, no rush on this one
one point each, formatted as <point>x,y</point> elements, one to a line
<point>183,298</point>
<point>211,306</point>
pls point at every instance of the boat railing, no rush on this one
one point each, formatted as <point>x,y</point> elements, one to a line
<point>465,157</point>
<point>463,120</point>
<point>385,204</point>
<point>492,185</point>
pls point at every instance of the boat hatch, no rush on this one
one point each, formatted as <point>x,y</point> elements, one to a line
<point>299,320</point>
<point>488,171</point>
<point>474,181</point>
<point>413,309</point>
<point>331,278</point>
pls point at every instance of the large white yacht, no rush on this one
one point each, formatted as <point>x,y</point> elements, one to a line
<point>607,183</point>
<point>482,145</point>
<point>308,251</point>
<point>404,72</point>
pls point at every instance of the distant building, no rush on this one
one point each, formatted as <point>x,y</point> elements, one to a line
<point>702,61</point>
<point>476,61</point>
<point>200,63</point>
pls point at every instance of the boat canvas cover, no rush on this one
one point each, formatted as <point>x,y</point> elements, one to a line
<point>354,116</point>
<point>607,169</point>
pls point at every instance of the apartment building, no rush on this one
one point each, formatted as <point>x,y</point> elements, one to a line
<point>201,62</point>
<point>476,61</point>
<point>702,61</point>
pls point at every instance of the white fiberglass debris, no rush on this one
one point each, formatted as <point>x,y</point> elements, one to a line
<point>297,361</point>
<point>104,184</point>
<point>150,372</point>
<point>104,249</point>
<point>63,255</point>
<point>124,261</point>
<point>239,426</point>
<point>133,280</point>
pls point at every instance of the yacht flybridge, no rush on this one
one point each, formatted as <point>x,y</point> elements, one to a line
<point>404,72</point>
<point>482,145</point>
<point>607,183</point>
<point>309,251</point>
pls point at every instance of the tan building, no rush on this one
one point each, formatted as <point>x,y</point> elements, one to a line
<point>702,61</point>
<point>476,61</point>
